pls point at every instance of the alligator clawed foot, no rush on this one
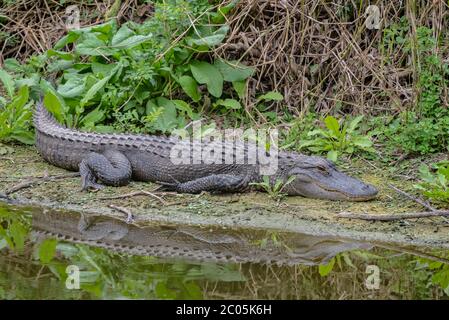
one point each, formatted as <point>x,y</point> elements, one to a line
<point>167,186</point>
<point>92,187</point>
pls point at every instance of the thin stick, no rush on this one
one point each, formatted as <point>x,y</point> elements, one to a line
<point>38,181</point>
<point>129,215</point>
<point>136,193</point>
<point>417,200</point>
<point>425,204</point>
<point>393,217</point>
<point>412,251</point>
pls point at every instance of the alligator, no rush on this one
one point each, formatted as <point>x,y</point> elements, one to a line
<point>115,159</point>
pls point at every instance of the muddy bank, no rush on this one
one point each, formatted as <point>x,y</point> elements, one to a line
<point>252,210</point>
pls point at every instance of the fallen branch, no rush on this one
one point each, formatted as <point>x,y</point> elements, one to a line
<point>393,217</point>
<point>129,215</point>
<point>425,204</point>
<point>38,181</point>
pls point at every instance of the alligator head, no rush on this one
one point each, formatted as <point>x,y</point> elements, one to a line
<point>319,178</point>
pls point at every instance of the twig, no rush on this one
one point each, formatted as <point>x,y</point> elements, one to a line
<point>393,217</point>
<point>129,215</point>
<point>425,204</point>
<point>412,251</point>
<point>137,193</point>
<point>417,200</point>
<point>38,181</point>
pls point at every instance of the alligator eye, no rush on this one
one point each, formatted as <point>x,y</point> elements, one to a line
<point>323,170</point>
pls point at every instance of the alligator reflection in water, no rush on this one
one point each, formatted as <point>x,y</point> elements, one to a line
<point>190,243</point>
<point>96,245</point>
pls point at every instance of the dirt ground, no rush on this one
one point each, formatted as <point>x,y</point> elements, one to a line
<point>251,210</point>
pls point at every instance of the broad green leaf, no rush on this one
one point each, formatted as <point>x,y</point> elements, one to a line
<point>123,33</point>
<point>332,155</point>
<point>103,69</point>
<point>205,73</point>
<point>47,250</point>
<point>104,129</point>
<point>24,136</point>
<point>333,125</point>
<point>425,173</point>
<point>306,143</point>
<point>354,123</point>
<point>53,104</point>
<point>105,28</point>
<point>60,54</point>
<point>220,15</point>
<point>67,39</point>
<point>21,98</point>
<point>8,82</point>
<point>90,94</point>
<point>92,46</point>
<point>31,81</point>
<point>271,96</point>
<point>233,70</point>
<point>93,117</point>
<point>12,65</point>
<point>325,269</point>
<point>18,234</point>
<point>240,88</point>
<point>205,38</point>
<point>59,65</point>
<point>362,141</point>
<point>167,117</point>
<point>89,276</point>
<point>132,42</point>
<point>229,103</point>
<point>47,86</point>
<point>190,87</point>
<point>74,87</point>
<point>184,106</point>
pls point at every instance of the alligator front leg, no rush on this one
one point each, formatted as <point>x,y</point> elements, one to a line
<point>212,183</point>
<point>110,168</point>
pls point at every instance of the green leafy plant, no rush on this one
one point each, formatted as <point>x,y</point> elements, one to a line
<point>424,130</point>
<point>15,118</point>
<point>275,190</point>
<point>435,185</point>
<point>337,139</point>
<point>146,77</point>
<point>14,230</point>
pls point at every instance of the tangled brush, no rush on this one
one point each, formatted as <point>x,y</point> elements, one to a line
<point>324,56</point>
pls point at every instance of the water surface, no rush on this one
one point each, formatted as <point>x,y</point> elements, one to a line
<point>39,250</point>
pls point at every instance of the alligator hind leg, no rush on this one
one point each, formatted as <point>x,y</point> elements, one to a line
<point>212,183</point>
<point>110,168</point>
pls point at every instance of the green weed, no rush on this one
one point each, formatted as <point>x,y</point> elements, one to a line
<point>336,139</point>
<point>435,181</point>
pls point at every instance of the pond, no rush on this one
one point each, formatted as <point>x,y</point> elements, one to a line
<point>47,254</point>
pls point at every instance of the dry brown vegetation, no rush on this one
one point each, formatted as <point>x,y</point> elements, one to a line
<point>33,26</point>
<point>318,54</point>
<point>321,53</point>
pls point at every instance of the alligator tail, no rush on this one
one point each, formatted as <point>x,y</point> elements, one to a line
<point>42,118</point>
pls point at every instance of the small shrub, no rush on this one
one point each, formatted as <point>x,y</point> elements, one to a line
<point>336,139</point>
<point>435,185</point>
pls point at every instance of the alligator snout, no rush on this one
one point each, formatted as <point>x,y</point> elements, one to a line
<point>367,192</point>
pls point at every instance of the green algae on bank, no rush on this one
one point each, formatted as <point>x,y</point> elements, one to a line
<point>250,210</point>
